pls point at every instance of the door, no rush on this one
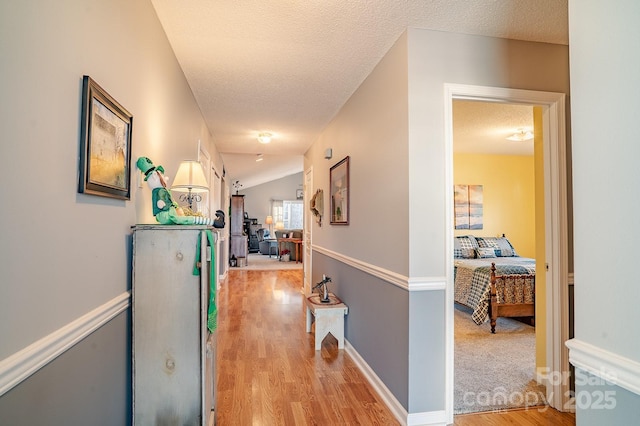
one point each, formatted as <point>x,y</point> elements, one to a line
<point>308,226</point>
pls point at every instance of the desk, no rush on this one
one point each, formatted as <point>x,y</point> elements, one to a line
<point>296,241</point>
<point>329,318</point>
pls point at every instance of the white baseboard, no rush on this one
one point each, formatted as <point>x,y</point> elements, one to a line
<point>27,361</point>
<point>391,402</point>
<point>434,418</point>
<point>428,418</point>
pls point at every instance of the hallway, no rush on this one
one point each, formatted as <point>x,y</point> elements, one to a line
<point>270,374</point>
<point>268,370</point>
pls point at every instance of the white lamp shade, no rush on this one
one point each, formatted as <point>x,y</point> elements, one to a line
<point>279,225</point>
<point>190,177</point>
<point>269,220</point>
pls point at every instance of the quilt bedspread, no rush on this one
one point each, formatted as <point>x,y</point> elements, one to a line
<point>472,281</point>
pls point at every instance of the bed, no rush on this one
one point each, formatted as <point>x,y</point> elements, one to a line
<point>492,280</point>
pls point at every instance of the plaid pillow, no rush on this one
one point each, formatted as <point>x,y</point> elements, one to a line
<point>484,252</point>
<point>501,246</point>
<point>464,247</point>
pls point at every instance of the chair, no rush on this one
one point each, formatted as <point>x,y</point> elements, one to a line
<point>266,244</point>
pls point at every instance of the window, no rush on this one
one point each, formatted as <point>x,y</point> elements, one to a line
<point>290,213</point>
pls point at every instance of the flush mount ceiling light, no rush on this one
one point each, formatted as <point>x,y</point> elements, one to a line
<point>521,135</point>
<point>265,137</point>
<point>259,157</point>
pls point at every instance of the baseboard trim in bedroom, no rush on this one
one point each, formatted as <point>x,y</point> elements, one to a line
<point>22,364</point>
<point>612,368</point>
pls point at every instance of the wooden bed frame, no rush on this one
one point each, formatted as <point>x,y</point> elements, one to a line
<point>518,309</point>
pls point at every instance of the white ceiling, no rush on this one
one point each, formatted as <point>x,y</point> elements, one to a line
<point>287,67</point>
<point>483,127</point>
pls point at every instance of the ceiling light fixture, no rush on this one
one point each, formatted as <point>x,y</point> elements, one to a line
<point>259,158</point>
<point>265,137</point>
<point>521,135</point>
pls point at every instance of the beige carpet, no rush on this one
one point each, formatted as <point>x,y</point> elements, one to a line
<point>261,262</point>
<point>494,371</point>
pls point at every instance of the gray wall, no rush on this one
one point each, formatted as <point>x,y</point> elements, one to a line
<point>88,384</point>
<point>599,402</point>
<point>605,65</point>
<point>372,129</point>
<point>393,130</point>
<point>377,320</point>
<point>437,58</point>
<point>66,254</point>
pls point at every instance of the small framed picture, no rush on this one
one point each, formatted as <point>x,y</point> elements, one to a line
<point>339,187</point>
<point>299,194</point>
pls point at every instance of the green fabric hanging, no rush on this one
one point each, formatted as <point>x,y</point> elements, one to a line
<point>212,313</point>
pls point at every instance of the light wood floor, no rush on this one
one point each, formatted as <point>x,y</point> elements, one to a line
<point>529,417</point>
<point>270,374</point>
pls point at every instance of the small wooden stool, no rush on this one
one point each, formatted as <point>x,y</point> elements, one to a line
<point>329,318</point>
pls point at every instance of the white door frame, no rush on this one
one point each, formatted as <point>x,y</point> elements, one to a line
<point>308,226</point>
<point>556,235</point>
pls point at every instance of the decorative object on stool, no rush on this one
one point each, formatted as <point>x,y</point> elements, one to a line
<point>322,285</point>
<point>328,317</point>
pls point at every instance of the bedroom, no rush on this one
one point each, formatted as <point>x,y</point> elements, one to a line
<point>505,170</point>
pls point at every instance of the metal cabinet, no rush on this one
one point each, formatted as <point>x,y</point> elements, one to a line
<point>173,351</point>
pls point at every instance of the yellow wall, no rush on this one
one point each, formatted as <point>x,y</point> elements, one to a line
<point>508,196</point>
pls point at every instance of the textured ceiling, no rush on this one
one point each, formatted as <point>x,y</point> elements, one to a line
<point>287,67</point>
<point>483,127</point>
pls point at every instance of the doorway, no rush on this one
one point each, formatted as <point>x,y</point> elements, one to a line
<point>308,227</point>
<point>498,177</point>
<point>556,235</point>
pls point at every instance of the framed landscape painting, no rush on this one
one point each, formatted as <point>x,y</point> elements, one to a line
<point>468,206</point>
<point>105,144</point>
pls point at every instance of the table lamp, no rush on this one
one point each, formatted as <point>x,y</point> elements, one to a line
<point>269,221</point>
<point>190,178</point>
